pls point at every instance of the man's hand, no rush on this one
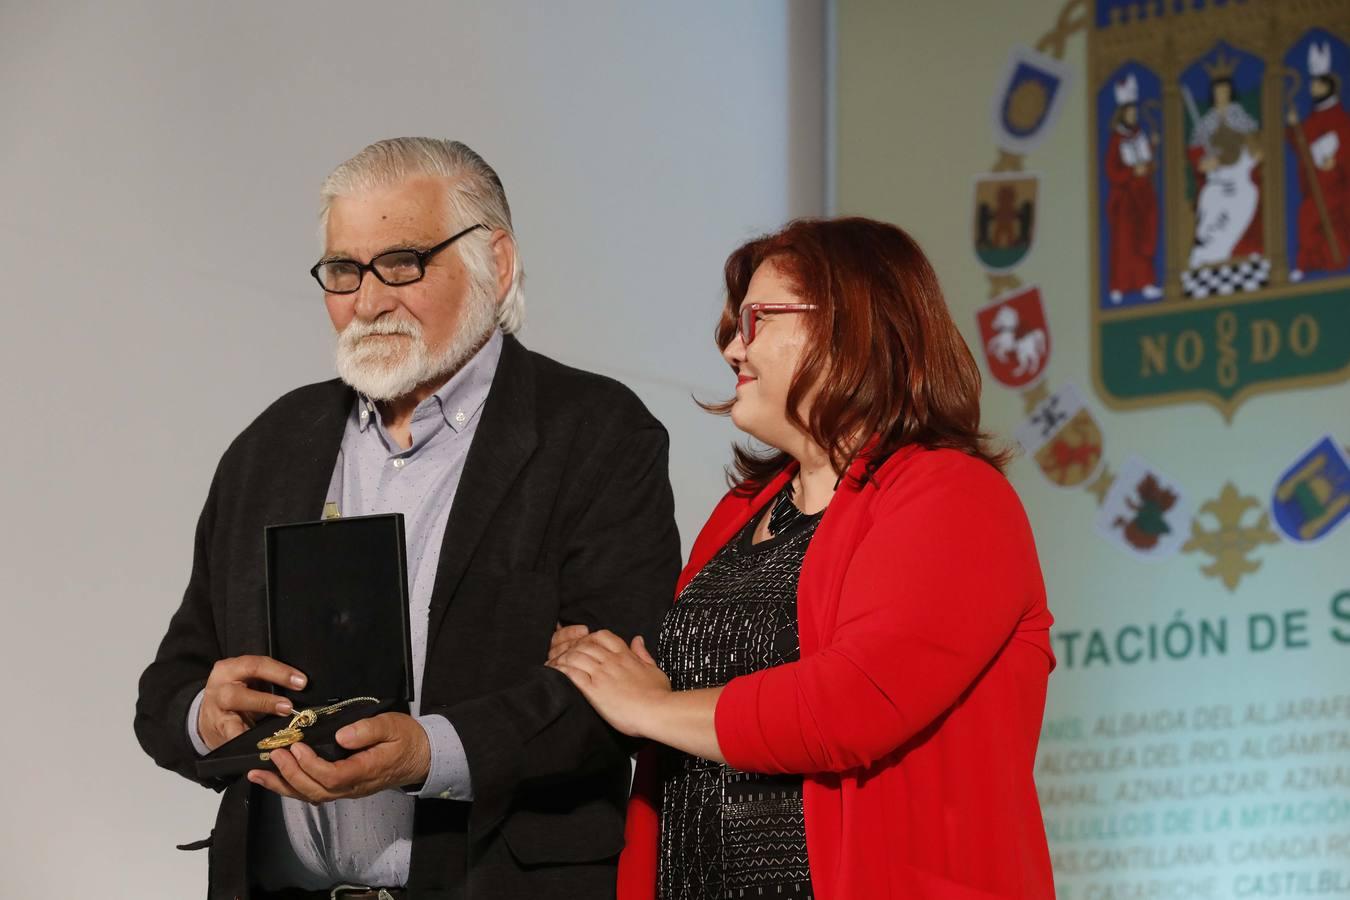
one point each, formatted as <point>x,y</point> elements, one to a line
<point>565,637</point>
<point>621,681</point>
<point>229,702</point>
<point>394,753</point>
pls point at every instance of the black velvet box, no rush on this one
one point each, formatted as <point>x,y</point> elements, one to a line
<point>337,610</point>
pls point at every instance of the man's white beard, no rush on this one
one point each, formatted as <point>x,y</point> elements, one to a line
<point>389,368</point>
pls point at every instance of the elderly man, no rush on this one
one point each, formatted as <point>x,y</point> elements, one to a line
<point>532,493</point>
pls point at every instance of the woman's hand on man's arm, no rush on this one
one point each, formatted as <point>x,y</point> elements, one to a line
<point>627,688</point>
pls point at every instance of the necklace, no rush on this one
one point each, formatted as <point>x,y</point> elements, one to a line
<point>294,732</point>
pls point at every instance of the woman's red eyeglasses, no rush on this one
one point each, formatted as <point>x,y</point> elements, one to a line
<point>745,322</point>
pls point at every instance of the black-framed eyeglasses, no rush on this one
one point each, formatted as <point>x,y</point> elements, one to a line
<point>394,268</point>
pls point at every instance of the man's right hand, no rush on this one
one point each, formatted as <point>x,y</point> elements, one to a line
<point>230,701</point>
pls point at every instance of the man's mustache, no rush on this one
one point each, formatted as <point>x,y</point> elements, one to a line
<point>358,330</point>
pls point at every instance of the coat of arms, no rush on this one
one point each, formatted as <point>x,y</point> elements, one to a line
<point>1032,95</point>
<point>1016,337</point>
<point>1145,512</point>
<point>1220,203</point>
<point>1005,219</point>
<point>1064,438</point>
<point>1313,495</point>
<point>1221,198</point>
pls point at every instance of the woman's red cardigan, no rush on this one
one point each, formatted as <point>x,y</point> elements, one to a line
<point>915,708</point>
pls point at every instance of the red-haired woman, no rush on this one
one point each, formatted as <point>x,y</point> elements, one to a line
<point>851,683</point>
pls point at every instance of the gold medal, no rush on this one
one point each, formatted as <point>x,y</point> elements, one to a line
<point>283,738</point>
<point>294,732</point>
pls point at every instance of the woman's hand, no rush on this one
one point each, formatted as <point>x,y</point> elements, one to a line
<point>622,682</point>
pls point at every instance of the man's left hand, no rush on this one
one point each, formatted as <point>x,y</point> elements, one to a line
<point>394,752</point>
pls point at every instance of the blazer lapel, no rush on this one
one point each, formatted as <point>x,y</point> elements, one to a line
<point>504,442</point>
<point>299,465</point>
<point>311,455</point>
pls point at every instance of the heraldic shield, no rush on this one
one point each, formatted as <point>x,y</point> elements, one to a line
<point>1220,199</point>
<point>1064,438</point>
<point>1031,97</point>
<point>1145,512</point>
<point>1015,335</point>
<point>1005,219</point>
<point>1312,497</point>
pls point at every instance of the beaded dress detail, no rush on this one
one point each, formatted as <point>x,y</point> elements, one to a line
<point>727,833</point>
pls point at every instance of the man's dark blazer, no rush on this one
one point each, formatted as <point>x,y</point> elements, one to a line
<point>563,513</point>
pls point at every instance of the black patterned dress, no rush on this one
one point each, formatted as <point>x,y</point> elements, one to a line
<point>727,833</point>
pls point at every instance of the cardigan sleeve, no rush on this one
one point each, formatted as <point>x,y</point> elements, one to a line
<point>936,587</point>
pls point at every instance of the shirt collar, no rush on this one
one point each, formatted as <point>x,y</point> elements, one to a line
<point>459,399</point>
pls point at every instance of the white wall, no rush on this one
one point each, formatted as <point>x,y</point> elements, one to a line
<point>158,175</point>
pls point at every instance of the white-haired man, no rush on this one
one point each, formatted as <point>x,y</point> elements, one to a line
<point>532,493</point>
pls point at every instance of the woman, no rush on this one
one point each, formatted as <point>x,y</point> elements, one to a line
<point>855,667</point>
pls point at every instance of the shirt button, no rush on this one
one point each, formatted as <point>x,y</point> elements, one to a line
<point>399,463</point>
